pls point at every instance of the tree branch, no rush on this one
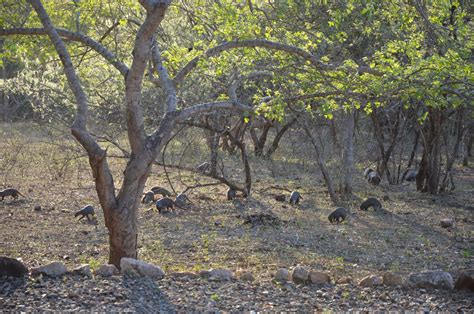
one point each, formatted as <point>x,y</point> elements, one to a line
<point>167,83</point>
<point>133,82</point>
<point>293,50</point>
<point>206,107</point>
<point>89,42</point>
<point>97,156</point>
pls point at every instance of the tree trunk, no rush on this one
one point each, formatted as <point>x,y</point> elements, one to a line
<point>348,152</point>
<point>260,144</point>
<point>451,157</point>
<point>322,166</point>
<point>278,136</point>
<point>429,175</point>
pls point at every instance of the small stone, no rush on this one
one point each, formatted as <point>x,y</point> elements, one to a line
<point>138,267</point>
<point>370,281</point>
<point>446,223</point>
<point>300,275</point>
<point>83,270</point>
<point>391,279</point>
<point>282,275</point>
<point>431,279</point>
<point>220,274</point>
<point>344,280</point>
<point>37,208</point>
<point>53,269</point>
<point>12,267</point>
<point>319,278</point>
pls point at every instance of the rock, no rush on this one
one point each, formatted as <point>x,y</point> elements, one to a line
<point>53,269</point>
<point>319,278</point>
<point>431,279</point>
<point>246,276</point>
<point>37,208</point>
<point>12,267</point>
<point>344,280</point>
<point>138,267</point>
<point>446,223</point>
<point>391,279</point>
<point>371,281</point>
<point>282,275</point>
<point>83,270</point>
<point>106,270</point>
<point>220,274</point>
<point>300,275</point>
<point>465,280</point>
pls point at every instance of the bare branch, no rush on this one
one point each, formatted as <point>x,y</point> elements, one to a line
<point>293,50</point>
<point>134,79</point>
<point>206,107</point>
<point>97,156</point>
<point>167,83</point>
<point>89,42</point>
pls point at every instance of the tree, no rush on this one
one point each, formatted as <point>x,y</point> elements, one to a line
<point>120,210</point>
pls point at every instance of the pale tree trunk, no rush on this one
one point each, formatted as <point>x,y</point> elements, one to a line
<point>451,156</point>
<point>322,166</point>
<point>348,152</point>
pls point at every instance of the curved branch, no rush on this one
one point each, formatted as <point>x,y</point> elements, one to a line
<point>254,43</point>
<point>196,109</point>
<point>97,156</point>
<point>166,82</point>
<point>96,46</point>
<point>134,79</point>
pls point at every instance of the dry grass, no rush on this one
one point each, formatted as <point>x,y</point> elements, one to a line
<point>210,232</point>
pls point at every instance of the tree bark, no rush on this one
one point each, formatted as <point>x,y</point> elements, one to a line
<point>322,166</point>
<point>278,136</point>
<point>451,157</point>
<point>348,152</point>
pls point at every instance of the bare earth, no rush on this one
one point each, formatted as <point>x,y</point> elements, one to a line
<point>210,233</point>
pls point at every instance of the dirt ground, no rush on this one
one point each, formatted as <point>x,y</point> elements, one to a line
<point>403,237</point>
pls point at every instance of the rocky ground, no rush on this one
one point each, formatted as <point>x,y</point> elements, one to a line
<point>171,294</point>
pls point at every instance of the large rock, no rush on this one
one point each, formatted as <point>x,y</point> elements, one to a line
<point>106,270</point>
<point>431,279</point>
<point>300,275</point>
<point>391,279</point>
<point>82,270</point>
<point>220,274</point>
<point>12,267</point>
<point>319,277</point>
<point>53,270</point>
<point>465,280</point>
<point>370,281</point>
<point>282,275</point>
<point>138,267</point>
